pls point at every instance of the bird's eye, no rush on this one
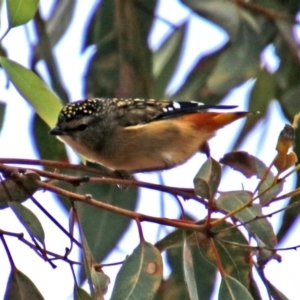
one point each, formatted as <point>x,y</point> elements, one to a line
<point>81,127</point>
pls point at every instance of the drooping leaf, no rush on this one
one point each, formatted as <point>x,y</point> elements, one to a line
<point>81,294</point>
<point>42,139</point>
<point>269,186</point>
<point>2,113</point>
<point>208,179</point>
<point>290,100</point>
<point>194,86</point>
<point>205,273</point>
<point>262,93</point>
<point>124,57</point>
<point>28,220</point>
<point>100,281</point>
<point>97,223</point>
<point>276,294</point>
<point>235,259</point>
<point>267,194</point>
<point>18,189</point>
<point>254,289</point>
<point>140,275</point>
<point>101,25</point>
<point>60,19</point>
<point>34,90</point>
<point>240,61</point>
<point>188,268</point>
<point>20,287</point>
<point>174,287</point>
<point>257,225</point>
<point>287,73</point>
<point>97,280</point>
<point>21,11</point>
<point>285,29</point>
<point>224,14</point>
<point>232,289</point>
<point>165,60</point>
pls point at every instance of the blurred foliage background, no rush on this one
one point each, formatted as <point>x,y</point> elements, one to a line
<point>123,64</point>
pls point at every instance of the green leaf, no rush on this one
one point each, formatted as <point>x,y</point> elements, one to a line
<point>194,86</point>
<point>165,60</point>
<point>42,139</point>
<point>60,19</point>
<point>87,257</point>
<point>28,220</point>
<point>81,294</point>
<point>290,100</point>
<point>223,13</point>
<point>100,281</point>
<point>208,179</point>
<point>174,287</point>
<point>140,275</point>
<point>258,227</point>
<point>20,287</point>
<point>96,223</point>
<point>267,194</point>
<point>269,186</point>
<point>276,294</point>
<point>21,11</point>
<point>240,62</point>
<point>204,271</point>
<point>101,24</point>
<point>263,92</point>
<point>188,268</point>
<point>232,249</point>
<point>2,113</point>
<point>97,280</point>
<point>34,90</point>
<point>18,189</point>
<point>123,57</point>
<point>231,289</point>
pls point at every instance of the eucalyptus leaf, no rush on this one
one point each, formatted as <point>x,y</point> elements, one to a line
<point>34,90</point>
<point>29,220</point>
<point>188,268</point>
<point>231,289</point>
<point>140,275</point>
<point>21,11</point>
<point>256,223</point>
<point>81,294</point>
<point>20,287</point>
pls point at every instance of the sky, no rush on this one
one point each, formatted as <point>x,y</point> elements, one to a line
<point>16,134</point>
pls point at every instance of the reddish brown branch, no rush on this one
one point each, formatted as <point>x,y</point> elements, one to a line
<point>121,211</point>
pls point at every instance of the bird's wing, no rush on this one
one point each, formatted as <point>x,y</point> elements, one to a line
<point>141,111</point>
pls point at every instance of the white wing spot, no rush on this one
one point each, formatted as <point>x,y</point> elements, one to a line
<point>176,104</point>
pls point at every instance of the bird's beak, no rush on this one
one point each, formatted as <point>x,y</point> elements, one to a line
<point>56,131</point>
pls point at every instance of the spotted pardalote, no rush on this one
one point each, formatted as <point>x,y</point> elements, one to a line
<point>137,135</point>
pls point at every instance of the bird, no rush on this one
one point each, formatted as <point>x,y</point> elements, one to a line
<point>140,135</point>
